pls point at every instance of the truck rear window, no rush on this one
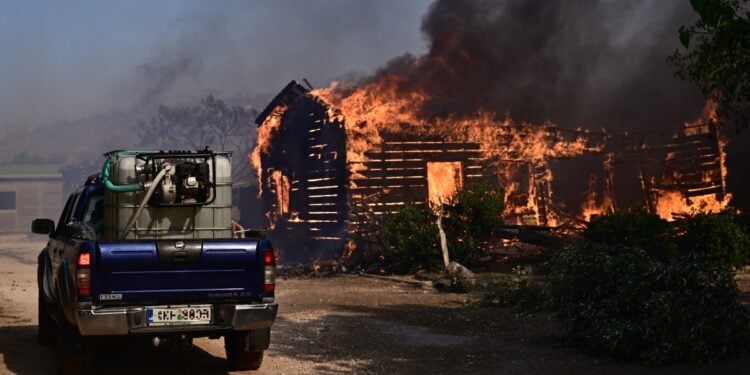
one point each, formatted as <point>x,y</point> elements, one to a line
<point>94,213</point>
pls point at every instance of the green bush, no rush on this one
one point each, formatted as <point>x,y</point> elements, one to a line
<point>518,290</point>
<point>743,220</point>
<point>718,239</point>
<point>667,296</point>
<point>636,228</point>
<point>411,239</point>
<point>694,312</point>
<point>411,236</point>
<point>598,297</point>
<point>472,223</point>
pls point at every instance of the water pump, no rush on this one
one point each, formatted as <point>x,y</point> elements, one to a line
<point>187,179</point>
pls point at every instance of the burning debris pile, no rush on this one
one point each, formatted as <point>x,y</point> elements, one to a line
<point>331,166</point>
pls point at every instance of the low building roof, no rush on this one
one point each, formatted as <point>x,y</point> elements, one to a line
<point>30,171</point>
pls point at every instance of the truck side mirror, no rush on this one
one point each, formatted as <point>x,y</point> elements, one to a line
<point>43,226</point>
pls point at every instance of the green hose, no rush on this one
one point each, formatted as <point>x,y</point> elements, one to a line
<point>112,187</point>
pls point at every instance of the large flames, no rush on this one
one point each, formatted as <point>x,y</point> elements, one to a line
<point>332,162</point>
<point>670,204</point>
<point>673,204</point>
<point>266,131</point>
<point>444,181</point>
<point>519,152</point>
<point>596,203</point>
<point>371,109</point>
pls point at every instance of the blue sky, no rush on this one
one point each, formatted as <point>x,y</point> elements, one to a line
<point>62,60</point>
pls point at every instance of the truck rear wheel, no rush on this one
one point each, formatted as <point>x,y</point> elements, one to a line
<point>76,354</point>
<point>46,330</point>
<point>240,355</point>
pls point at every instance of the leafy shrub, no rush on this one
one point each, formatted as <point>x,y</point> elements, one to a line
<point>718,239</point>
<point>743,220</point>
<point>411,239</point>
<point>472,223</point>
<point>694,313</point>
<point>456,284</point>
<point>519,290</point>
<point>661,297</point>
<point>635,228</point>
<point>411,236</point>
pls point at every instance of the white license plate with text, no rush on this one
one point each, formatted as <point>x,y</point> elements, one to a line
<point>178,315</point>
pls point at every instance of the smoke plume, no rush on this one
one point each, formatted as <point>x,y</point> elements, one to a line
<point>591,63</point>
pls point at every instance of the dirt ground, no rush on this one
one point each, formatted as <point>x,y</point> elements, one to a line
<point>343,324</point>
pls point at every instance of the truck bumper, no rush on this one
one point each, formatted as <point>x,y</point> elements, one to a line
<point>117,321</point>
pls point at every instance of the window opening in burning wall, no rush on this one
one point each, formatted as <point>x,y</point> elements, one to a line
<point>444,181</point>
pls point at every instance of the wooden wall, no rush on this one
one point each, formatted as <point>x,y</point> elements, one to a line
<point>692,163</point>
<point>395,174</point>
<point>307,207</point>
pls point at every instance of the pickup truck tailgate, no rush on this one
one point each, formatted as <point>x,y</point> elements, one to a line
<point>173,271</point>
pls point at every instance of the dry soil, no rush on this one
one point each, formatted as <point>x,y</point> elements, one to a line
<point>333,325</point>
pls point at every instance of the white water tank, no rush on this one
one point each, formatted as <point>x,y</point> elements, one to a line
<point>211,220</point>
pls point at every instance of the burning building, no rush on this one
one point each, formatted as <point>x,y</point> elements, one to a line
<point>332,162</point>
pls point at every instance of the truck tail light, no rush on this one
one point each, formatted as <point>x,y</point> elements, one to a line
<point>269,270</point>
<point>83,274</point>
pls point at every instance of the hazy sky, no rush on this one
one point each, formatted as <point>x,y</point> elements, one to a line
<point>78,65</point>
<point>61,60</point>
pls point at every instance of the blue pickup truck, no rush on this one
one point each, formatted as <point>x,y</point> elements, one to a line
<point>146,249</point>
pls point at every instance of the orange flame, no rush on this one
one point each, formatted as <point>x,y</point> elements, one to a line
<point>520,151</point>
<point>282,187</point>
<point>371,109</point>
<point>383,105</point>
<point>593,204</point>
<point>444,181</point>
<point>599,204</point>
<point>670,203</point>
<point>266,132</point>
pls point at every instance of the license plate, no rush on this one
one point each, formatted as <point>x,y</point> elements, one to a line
<point>178,315</point>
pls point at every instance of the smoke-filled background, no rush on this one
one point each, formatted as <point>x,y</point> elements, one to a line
<point>589,62</point>
<point>87,72</point>
<point>77,76</point>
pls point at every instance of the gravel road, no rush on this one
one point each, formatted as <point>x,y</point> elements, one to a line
<point>334,325</point>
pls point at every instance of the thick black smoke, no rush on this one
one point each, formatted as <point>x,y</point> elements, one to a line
<point>591,63</point>
<point>588,63</point>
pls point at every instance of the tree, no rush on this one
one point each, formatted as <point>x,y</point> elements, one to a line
<point>210,123</point>
<point>717,55</point>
